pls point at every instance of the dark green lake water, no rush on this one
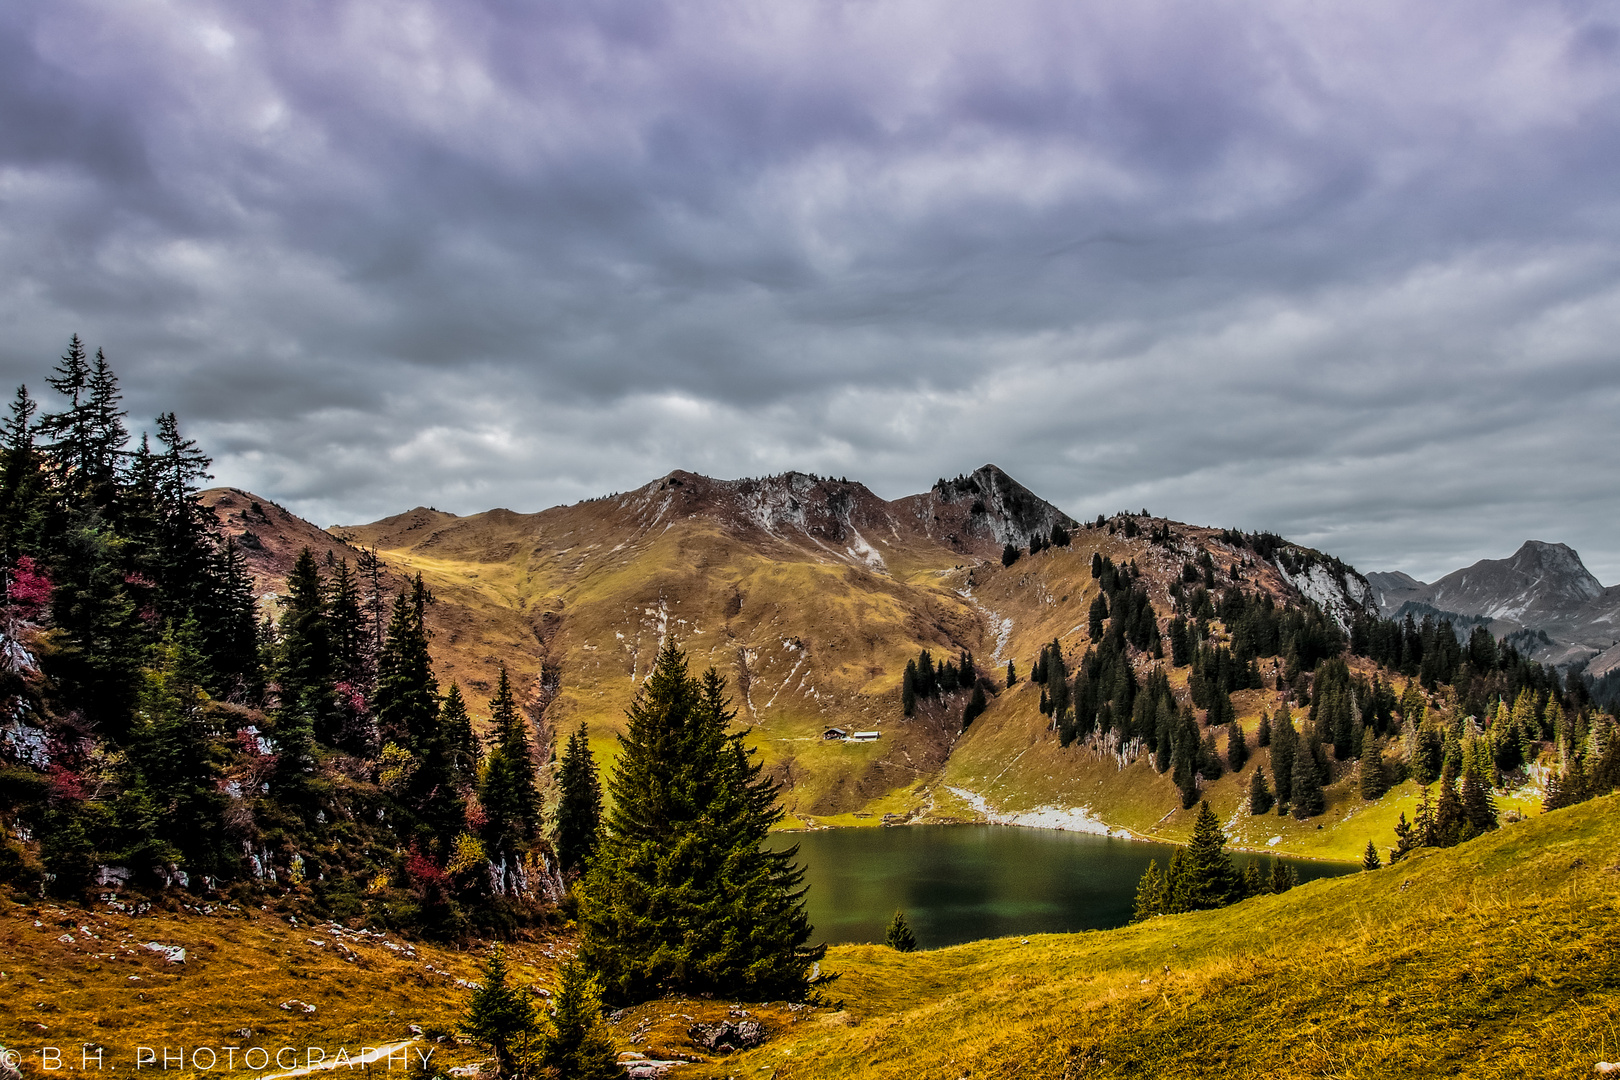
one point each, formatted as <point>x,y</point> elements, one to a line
<point>961,883</point>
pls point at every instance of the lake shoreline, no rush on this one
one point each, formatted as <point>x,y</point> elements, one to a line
<point>1051,819</point>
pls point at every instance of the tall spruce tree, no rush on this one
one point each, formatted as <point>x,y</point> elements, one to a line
<point>579,804</point>
<point>1478,808</point>
<point>308,706</point>
<point>1283,877</point>
<point>407,708</point>
<point>1305,785</point>
<point>1211,881</point>
<point>1284,748</point>
<point>1373,781</point>
<point>1448,820</point>
<point>459,739</point>
<point>682,896</point>
<point>23,495</point>
<point>1260,798</point>
<point>509,796</point>
<point>1237,747</point>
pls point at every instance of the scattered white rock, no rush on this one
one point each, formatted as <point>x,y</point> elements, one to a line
<point>294,1005</point>
<point>174,954</point>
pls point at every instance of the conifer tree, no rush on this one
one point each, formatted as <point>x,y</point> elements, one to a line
<point>1373,781</point>
<point>1210,879</point>
<point>1478,808</point>
<point>1184,756</point>
<point>1283,877</point>
<point>681,895</point>
<point>1012,675</point>
<point>459,739</point>
<point>171,804</point>
<point>233,631</point>
<point>23,496</point>
<point>1449,820</point>
<point>502,1018</point>
<point>579,805</point>
<point>1260,799</point>
<point>1305,785</point>
<point>407,696</point>
<point>1209,758</point>
<point>575,1043</point>
<point>510,799</point>
<point>308,708</point>
<point>908,689</point>
<point>1284,749</point>
<point>350,634</point>
<point>1176,898</point>
<point>1150,897</point>
<point>975,707</point>
<point>899,936</point>
<point>408,714</point>
<point>1262,737</point>
<point>1237,747</point>
<point>1406,840</point>
<point>1369,858</point>
<point>1009,555</point>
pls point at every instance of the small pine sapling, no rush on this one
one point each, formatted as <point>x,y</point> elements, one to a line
<point>900,938</point>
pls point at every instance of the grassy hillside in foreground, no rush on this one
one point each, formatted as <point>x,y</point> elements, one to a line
<point>1500,957</point>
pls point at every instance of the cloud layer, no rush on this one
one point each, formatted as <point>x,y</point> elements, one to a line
<point>1348,272</point>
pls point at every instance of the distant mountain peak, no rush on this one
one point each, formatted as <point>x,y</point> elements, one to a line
<point>1545,561</point>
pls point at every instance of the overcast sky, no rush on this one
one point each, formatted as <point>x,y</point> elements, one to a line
<point>1346,271</point>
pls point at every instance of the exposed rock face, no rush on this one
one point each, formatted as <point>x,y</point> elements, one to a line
<point>984,511</point>
<point>728,1036</point>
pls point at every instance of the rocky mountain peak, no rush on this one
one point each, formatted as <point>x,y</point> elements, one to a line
<point>998,507</point>
<point>1558,568</point>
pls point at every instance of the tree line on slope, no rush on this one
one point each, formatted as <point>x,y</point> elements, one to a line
<point>1503,707</point>
<point>924,681</point>
<point>1200,876</point>
<point>161,733</point>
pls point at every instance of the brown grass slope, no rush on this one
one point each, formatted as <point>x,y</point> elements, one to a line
<point>808,594</point>
<point>1498,958</point>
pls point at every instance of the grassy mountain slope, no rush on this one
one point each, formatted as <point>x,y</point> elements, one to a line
<point>1497,958</point>
<point>809,595</point>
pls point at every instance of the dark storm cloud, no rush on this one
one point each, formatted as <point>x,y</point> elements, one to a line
<point>1349,272</point>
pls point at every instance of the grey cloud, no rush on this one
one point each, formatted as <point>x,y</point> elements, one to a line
<point>1347,272</point>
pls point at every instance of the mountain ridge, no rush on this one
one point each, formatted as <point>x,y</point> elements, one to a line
<point>809,594</point>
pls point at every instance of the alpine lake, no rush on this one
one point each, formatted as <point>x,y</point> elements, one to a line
<point>960,883</point>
